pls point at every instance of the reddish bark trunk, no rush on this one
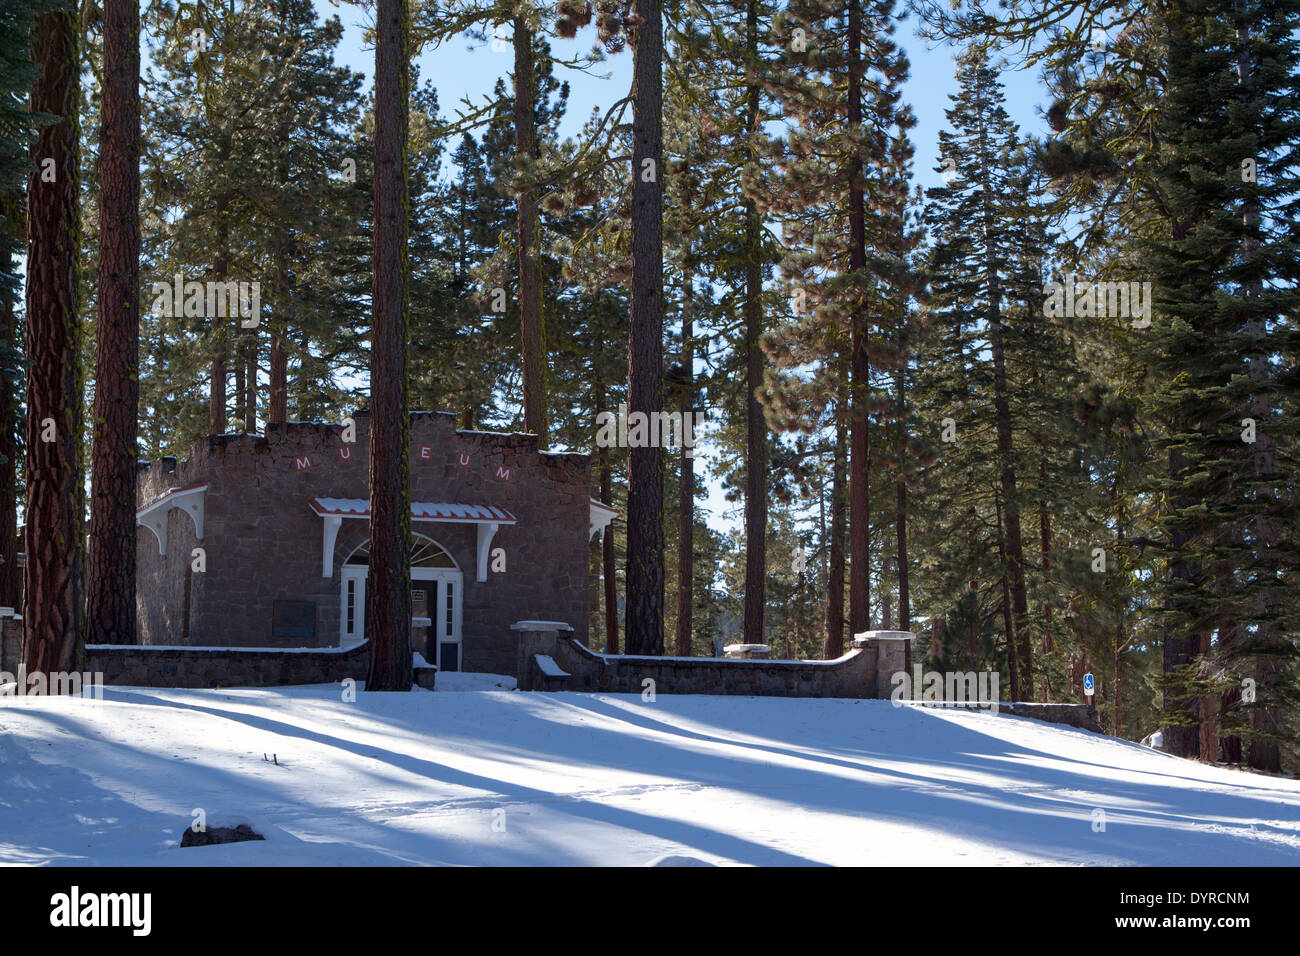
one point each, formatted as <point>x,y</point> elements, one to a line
<point>755,620</point>
<point>532,335</point>
<point>11,576</point>
<point>645,526</point>
<point>388,599</point>
<point>859,458</point>
<point>835,551</point>
<point>686,491</point>
<point>110,604</point>
<point>53,599</point>
<point>608,569</point>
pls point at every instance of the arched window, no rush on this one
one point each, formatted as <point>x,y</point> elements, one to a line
<point>425,553</point>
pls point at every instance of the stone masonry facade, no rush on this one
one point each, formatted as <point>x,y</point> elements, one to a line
<point>263,543</point>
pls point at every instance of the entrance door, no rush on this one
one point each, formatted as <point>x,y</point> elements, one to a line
<point>444,605</point>
<point>436,585</point>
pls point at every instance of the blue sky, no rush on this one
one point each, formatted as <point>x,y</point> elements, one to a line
<point>462,68</point>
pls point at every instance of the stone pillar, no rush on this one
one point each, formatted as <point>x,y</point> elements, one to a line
<point>535,637</point>
<point>891,656</point>
<point>756,652</point>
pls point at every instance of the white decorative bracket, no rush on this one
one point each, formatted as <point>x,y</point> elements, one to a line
<point>601,515</point>
<point>486,532</point>
<point>154,515</point>
<point>332,525</point>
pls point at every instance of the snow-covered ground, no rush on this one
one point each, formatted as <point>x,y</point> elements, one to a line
<point>490,775</point>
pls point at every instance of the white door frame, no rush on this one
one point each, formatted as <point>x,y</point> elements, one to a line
<point>354,578</point>
<point>446,626</point>
<point>446,629</point>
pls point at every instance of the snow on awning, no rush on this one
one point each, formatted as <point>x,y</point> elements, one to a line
<point>420,511</point>
<point>488,518</point>
<point>153,515</point>
<point>601,515</point>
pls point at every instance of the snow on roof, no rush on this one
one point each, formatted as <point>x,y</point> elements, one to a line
<point>420,511</point>
<point>169,493</point>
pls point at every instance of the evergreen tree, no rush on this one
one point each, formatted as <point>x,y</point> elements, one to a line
<point>110,597</point>
<point>17,128</point>
<point>1220,348</point>
<point>53,593</point>
<point>388,618</point>
<point>970,271</point>
<point>839,84</point>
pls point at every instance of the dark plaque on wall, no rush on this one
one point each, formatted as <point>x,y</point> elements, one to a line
<point>293,619</point>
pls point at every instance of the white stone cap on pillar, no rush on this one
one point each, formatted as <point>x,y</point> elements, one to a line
<point>7,612</point>
<point>540,626</point>
<point>865,636</point>
<point>738,648</point>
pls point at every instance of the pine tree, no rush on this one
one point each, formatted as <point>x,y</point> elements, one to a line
<point>17,129</point>
<point>971,268</point>
<point>388,620</point>
<point>839,82</point>
<point>53,608</point>
<point>1224,280</point>
<point>110,596</point>
<point>645,530</point>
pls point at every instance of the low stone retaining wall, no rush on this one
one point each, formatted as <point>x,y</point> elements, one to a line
<point>551,660</point>
<point>864,672</point>
<point>1072,715</point>
<point>146,665</point>
<point>149,666</point>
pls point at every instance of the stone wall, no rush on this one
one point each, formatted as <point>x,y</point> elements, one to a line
<point>263,542</point>
<point>866,671</point>
<point>1072,715</point>
<point>142,666</point>
<point>855,675</point>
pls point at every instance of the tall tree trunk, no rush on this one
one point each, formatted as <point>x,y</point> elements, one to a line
<point>607,558</point>
<point>886,595</point>
<point>835,551</point>
<point>1045,546</point>
<point>1180,650</point>
<point>250,380</point>
<point>1120,640</point>
<point>277,403</point>
<point>532,334</point>
<point>860,371</point>
<point>241,387</point>
<point>388,601</point>
<point>900,524</point>
<point>110,597</point>
<point>686,489</point>
<point>1015,552</point>
<point>11,424</point>
<point>277,409</point>
<point>1263,751</point>
<point>1013,650</point>
<point>220,267</point>
<point>755,426</point>
<point>645,505</point>
<point>53,599</point>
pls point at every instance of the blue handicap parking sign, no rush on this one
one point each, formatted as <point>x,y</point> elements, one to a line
<point>1087,684</point>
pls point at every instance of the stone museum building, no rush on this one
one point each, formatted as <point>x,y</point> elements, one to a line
<point>262,541</point>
